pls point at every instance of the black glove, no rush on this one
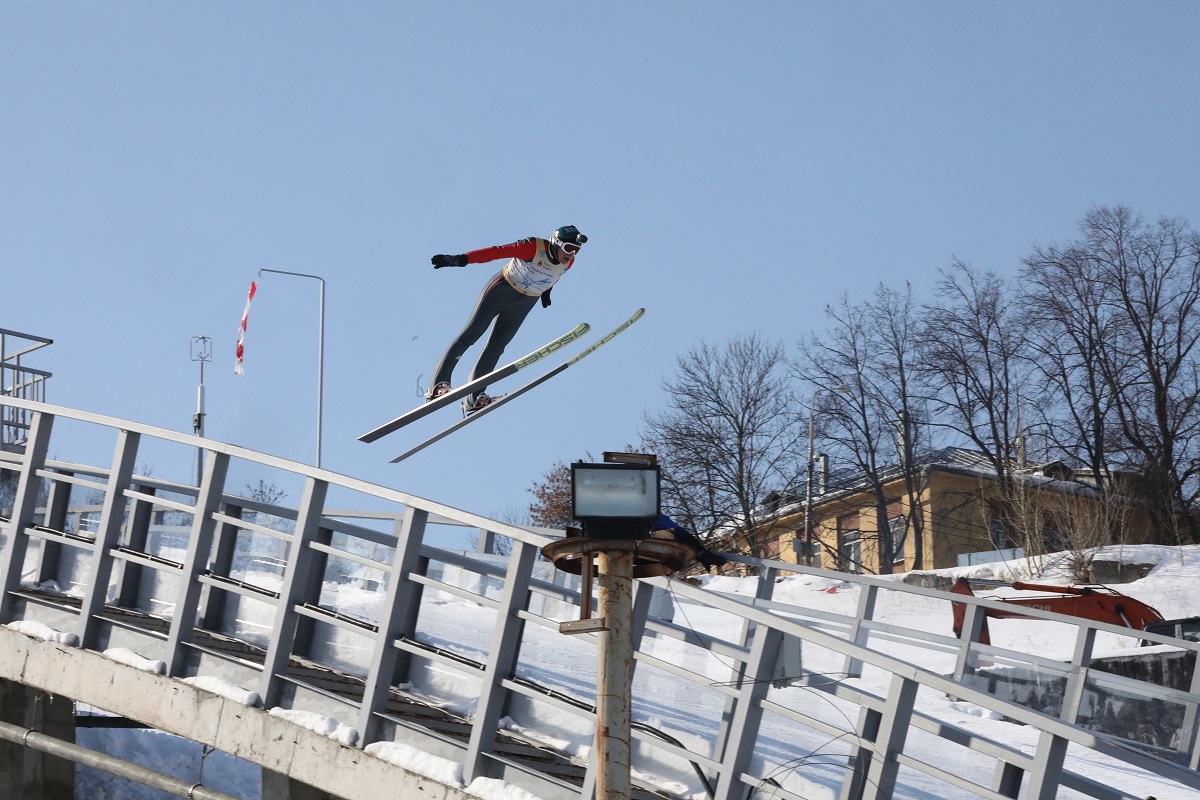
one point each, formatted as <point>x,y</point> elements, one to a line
<point>546,298</point>
<point>711,560</point>
<point>440,261</point>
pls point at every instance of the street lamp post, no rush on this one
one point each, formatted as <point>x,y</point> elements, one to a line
<point>808,532</point>
<point>809,544</point>
<point>320,347</point>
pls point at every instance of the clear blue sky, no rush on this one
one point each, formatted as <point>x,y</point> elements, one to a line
<point>736,165</point>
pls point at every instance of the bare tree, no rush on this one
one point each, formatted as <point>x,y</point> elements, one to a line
<point>551,507</point>
<point>1070,323</point>
<point>1125,298</point>
<point>502,545</point>
<point>264,492</point>
<point>974,359</point>
<point>861,373</point>
<point>729,435</point>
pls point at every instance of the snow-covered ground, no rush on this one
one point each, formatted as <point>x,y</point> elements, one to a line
<point>804,760</point>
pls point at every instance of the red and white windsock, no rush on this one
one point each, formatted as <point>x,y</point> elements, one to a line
<point>237,369</point>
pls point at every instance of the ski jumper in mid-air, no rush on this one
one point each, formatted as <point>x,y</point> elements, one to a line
<point>534,266</point>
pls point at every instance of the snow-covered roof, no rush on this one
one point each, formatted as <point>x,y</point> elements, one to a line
<point>850,480</point>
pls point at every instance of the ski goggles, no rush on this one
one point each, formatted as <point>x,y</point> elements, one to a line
<point>571,248</point>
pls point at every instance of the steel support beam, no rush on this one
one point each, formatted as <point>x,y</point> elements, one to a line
<point>15,540</point>
<point>501,663</point>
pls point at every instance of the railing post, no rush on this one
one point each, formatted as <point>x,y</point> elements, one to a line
<point>112,519</point>
<point>1188,739</point>
<point>741,733</point>
<point>295,582</point>
<point>129,574</point>
<point>1007,780</point>
<point>486,542</point>
<point>187,602</point>
<point>860,633</point>
<point>57,511</point>
<point>398,618</point>
<point>964,662</point>
<point>1046,774</point>
<point>502,660</point>
<point>893,730</point>
<point>764,589</point>
<point>12,559</point>
<point>212,599</point>
<point>1085,643</point>
<point>854,782</point>
<point>310,591</point>
<point>643,595</point>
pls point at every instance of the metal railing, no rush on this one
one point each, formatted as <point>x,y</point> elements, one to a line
<point>17,380</point>
<point>318,608</point>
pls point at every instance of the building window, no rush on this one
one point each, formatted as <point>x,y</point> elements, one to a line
<point>773,547</point>
<point>898,530</point>
<point>1055,540</point>
<point>1056,532</point>
<point>849,544</point>
<point>851,551</point>
<point>998,534</point>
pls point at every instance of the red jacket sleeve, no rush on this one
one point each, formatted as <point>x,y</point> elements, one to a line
<point>524,249</point>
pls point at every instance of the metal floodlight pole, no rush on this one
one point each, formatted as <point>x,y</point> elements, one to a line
<point>618,505</point>
<point>621,560</point>
<point>320,347</point>
<point>615,661</point>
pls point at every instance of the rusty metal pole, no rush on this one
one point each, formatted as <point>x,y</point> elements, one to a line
<point>614,676</point>
<point>614,629</point>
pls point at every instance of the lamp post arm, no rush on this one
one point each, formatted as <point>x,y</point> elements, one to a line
<point>320,347</point>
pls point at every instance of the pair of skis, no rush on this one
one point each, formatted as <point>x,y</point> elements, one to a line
<point>503,372</point>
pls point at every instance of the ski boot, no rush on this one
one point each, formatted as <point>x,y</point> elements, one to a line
<point>472,404</point>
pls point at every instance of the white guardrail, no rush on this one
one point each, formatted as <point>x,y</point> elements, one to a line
<point>363,616</point>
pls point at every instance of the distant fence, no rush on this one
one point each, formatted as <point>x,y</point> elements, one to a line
<point>990,556</point>
<point>19,381</point>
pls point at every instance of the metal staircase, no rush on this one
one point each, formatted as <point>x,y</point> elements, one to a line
<point>19,380</point>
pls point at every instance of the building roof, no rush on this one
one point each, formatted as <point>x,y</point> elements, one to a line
<point>849,480</point>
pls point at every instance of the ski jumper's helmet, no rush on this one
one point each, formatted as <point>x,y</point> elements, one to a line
<point>567,234</point>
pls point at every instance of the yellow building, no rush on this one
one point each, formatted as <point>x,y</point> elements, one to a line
<point>952,510</point>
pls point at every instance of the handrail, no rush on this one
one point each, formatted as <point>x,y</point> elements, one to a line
<point>234,451</point>
<point>375,653</point>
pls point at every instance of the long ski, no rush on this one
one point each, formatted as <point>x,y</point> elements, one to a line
<point>520,391</point>
<point>467,388</point>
